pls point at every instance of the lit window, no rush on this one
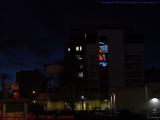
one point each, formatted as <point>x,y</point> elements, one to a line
<point>77,48</point>
<point>80,75</point>
<point>81,66</point>
<point>69,49</point>
<point>79,57</point>
<point>80,48</point>
<point>85,35</point>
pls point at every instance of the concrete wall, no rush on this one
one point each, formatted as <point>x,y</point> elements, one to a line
<point>116,71</point>
<point>55,105</point>
<point>92,66</point>
<point>133,99</point>
<point>93,105</point>
<point>135,48</point>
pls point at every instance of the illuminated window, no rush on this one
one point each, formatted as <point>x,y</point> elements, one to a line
<point>85,35</point>
<point>77,48</point>
<point>80,48</point>
<point>69,49</point>
<point>80,75</point>
<point>81,66</point>
<point>79,57</point>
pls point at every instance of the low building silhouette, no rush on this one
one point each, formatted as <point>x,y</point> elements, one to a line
<point>29,82</point>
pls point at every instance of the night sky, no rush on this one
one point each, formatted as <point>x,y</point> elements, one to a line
<point>34,33</point>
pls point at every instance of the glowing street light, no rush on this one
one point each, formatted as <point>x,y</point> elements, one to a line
<point>82,98</point>
<point>155,100</point>
<point>154,103</point>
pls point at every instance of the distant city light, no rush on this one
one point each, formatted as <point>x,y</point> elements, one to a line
<point>105,100</point>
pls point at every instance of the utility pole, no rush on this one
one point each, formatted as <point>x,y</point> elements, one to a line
<point>3,95</point>
<point>146,96</point>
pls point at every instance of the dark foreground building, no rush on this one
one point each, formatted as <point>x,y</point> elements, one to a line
<point>30,83</point>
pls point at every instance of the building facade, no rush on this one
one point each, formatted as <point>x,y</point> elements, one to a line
<point>55,75</point>
<point>100,61</point>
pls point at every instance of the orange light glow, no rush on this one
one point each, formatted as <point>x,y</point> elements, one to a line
<point>100,58</point>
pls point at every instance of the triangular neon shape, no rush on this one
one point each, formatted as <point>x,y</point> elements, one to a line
<point>100,58</point>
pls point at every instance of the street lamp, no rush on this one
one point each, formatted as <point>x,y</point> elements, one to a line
<point>154,104</point>
<point>34,95</point>
<point>154,100</point>
<point>82,98</point>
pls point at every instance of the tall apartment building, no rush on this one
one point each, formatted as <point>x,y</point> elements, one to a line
<point>98,61</point>
<point>134,59</point>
